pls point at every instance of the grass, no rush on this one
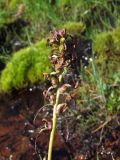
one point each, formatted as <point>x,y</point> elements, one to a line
<point>44,16</point>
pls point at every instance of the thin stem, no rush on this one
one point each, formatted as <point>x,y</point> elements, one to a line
<point>52,135</point>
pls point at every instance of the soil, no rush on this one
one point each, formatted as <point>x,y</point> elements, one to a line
<point>23,135</point>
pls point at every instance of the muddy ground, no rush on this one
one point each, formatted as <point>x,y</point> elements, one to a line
<point>23,134</point>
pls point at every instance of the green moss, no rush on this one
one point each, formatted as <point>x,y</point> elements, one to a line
<point>13,5</point>
<point>3,17</point>
<point>63,3</point>
<point>107,44</point>
<point>107,48</point>
<point>74,27</point>
<point>26,67</point>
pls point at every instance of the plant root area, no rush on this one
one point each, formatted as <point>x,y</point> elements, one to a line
<point>24,133</point>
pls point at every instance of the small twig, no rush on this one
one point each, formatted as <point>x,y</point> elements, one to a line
<point>101,136</point>
<point>42,129</point>
<point>117,121</point>
<point>97,97</point>
<point>104,124</point>
<point>39,112</point>
<point>83,100</point>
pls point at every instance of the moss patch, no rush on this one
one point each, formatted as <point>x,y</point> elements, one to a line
<point>107,45</point>
<point>74,28</point>
<point>26,67</point>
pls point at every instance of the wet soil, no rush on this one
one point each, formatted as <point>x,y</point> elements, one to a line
<point>23,135</point>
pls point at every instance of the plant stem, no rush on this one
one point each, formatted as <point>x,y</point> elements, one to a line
<point>52,135</point>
